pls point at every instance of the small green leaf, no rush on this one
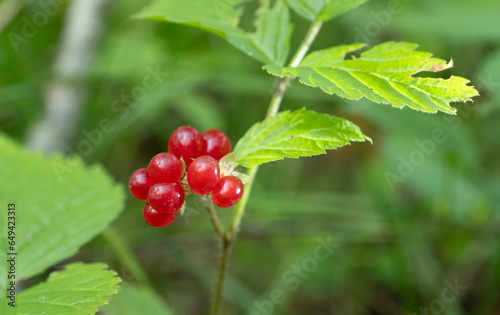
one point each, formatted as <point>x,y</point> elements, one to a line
<point>78,290</point>
<point>132,300</point>
<point>294,134</point>
<point>323,10</point>
<point>269,43</point>
<point>60,206</point>
<point>383,74</point>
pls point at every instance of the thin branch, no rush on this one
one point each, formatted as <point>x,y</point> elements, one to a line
<point>282,83</point>
<point>213,217</point>
<point>126,256</point>
<point>273,109</point>
<point>240,208</point>
<point>226,247</point>
<point>306,43</point>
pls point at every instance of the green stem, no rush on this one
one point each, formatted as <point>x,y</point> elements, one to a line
<point>213,217</point>
<point>273,109</point>
<point>126,257</point>
<point>282,83</point>
<point>240,208</point>
<point>226,246</point>
<point>306,44</point>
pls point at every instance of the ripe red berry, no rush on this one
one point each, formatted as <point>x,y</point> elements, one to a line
<point>203,174</point>
<point>166,197</point>
<point>139,183</point>
<point>227,192</point>
<point>185,141</point>
<point>215,143</point>
<point>165,168</point>
<point>157,219</point>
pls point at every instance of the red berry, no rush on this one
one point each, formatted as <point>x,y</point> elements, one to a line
<point>203,174</point>
<point>185,141</point>
<point>157,219</point>
<point>139,183</point>
<point>227,192</point>
<point>165,168</point>
<point>215,143</point>
<point>166,197</point>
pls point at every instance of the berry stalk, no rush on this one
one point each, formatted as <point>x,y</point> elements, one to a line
<point>214,218</point>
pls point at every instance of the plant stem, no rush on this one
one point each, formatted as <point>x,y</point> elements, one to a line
<point>306,43</point>
<point>229,239</point>
<point>240,208</point>
<point>282,83</point>
<point>226,246</point>
<point>126,257</point>
<point>213,217</point>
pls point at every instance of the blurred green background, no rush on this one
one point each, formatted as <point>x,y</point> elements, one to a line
<point>400,245</point>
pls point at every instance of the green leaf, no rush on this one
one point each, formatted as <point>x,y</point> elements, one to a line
<point>273,31</point>
<point>323,10</point>
<point>78,290</point>
<point>269,43</point>
<point>132,300</point>
<point>294,134</point>
<point>60,205</point>
<point>383,74</point>
<point>6,309</point>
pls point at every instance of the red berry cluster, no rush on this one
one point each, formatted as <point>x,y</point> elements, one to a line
<point>165,182</point>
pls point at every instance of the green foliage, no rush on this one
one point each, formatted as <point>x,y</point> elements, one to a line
<point>78,290</point>
<point>269,43</point>
<point>442,221</point>
<point>487,77</point>
<point>60,205</point>
<point>294,134</point>
<point>383,74</point>
<point>448,21</point>
<point>133,300</point>
<point>323,10</point>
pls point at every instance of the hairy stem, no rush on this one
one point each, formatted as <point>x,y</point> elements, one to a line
<point>213,217</point>
<point>282,83</point>
<point>240,208</point>
<point>226,247</point>
<point>273,109</point>
<point>306,43</point>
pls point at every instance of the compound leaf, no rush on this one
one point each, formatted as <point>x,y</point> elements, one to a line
<point>294,134</point>
<point>60,205</point>
<point>269,43</point>
<point>382,74</point>
<point>78,290</point>
<point>323,10</point>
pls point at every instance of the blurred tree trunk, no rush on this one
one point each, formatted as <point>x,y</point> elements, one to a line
<point>66,94</point>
